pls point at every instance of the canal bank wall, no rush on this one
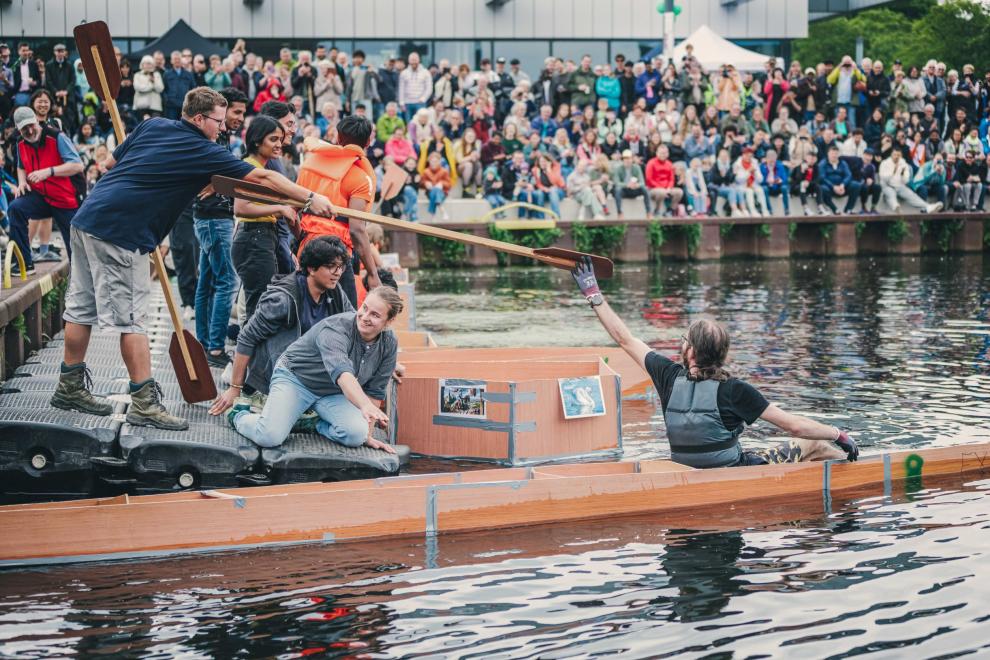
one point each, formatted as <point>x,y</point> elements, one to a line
<point>711,238</point>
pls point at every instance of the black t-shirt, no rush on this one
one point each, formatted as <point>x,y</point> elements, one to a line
<point>738,401</point>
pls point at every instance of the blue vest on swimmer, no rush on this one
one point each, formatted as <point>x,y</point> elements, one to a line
<point>695,430</point>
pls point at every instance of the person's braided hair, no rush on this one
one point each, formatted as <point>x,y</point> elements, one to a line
<point>710,341</point>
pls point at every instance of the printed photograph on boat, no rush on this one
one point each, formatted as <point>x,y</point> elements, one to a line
<point>581,397</point>
<point>462,398</point>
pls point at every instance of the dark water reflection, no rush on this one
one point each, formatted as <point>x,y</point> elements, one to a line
<point>896,349</point>
<point>903,578</point>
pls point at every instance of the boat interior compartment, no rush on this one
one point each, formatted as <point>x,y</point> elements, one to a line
<point>508,411</point>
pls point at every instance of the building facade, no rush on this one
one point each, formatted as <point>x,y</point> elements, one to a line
<point>459,30</point>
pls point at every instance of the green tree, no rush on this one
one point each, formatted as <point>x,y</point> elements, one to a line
<point>957,33</point>
<point>885,34</point>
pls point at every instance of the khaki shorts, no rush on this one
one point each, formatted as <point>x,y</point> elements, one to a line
<point>108,285</point>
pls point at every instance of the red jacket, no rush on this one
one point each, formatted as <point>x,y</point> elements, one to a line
<point>57,190</point>
<point>266,95</point>
<point>660,174</point>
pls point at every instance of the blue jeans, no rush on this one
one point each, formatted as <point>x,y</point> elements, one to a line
<point>436,196</point>
<point>530,197</point>
<point>495,200</point>
<point>778,189</point>
<point>553,197</point>
<point>217,284</point>
<point>411,110</point>
<point>410,201</point>
<point>33,206</point>
<point>340,421</point>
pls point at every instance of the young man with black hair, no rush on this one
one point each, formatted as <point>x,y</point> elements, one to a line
<point>343,173</point>
<point>290,306</point>
<point>213,217</point>
<point>285,115</point>
<point>704,408</point>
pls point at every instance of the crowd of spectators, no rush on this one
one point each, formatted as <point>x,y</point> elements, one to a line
<point>839,137</point>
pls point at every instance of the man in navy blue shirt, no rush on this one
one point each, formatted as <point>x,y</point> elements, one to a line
<point>835,180</point>
<point>155,173</point>
<point>178,82</point>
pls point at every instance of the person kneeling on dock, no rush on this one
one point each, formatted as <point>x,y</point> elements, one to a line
<point>339,368</point>
<point>704,408</point>
<point>286,311</point>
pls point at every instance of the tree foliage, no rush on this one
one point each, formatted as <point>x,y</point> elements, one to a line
<point>914,31</point>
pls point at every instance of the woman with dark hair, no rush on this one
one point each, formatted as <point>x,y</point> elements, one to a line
<point>339,368</point>
<point>43,104</point>
<point>255,244</point>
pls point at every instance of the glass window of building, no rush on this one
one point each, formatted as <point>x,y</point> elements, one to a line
<point>377,52</point>
<point>529,53</point>
<point>575,50</point>
<point>424,48</point>
<point>461,52</point>
<point>633,50</point>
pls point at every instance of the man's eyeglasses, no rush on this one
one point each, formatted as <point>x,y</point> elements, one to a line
<point>336,268</point>
<point>220,122</point>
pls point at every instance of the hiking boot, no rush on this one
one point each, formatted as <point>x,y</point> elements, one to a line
<point>146,409</point>
<point>73,392</point>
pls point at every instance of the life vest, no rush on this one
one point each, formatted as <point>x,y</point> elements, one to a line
<point>695,430</point>
<point>58,191</point>
<point>323,171</point>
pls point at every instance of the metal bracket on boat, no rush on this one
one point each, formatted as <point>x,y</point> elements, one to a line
<point>239,502</point>
<point>431,498</point>
<point>827,486</point>
<point>618,408</point>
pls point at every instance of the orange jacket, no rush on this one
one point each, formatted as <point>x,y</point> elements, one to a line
<point>439,175</point>
<point>340,173</point>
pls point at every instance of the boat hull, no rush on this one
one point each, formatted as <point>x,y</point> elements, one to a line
<point>418,505</point>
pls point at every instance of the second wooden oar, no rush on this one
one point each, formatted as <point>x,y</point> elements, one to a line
<point>554,256</point>
<point>103,74</point>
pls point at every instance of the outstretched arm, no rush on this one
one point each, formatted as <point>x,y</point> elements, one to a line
<point>584,275</point>
<point>809,429</point>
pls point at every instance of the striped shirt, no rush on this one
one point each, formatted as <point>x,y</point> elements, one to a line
<point>415,86</point>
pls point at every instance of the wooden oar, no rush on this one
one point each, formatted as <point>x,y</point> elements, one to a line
<point>187,355</point>
<point>554,256</point>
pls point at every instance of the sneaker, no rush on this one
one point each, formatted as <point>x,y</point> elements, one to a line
<point>146,409</point>
<point>306,423</point>
<point>74,393</point>
<point>933,208</point>
<point>15,269</point>
<point>46,257</point>
<point>808,211</point>
<point>217,361</point>
<point>824,210</point>
<point>444,214</point>
<point>233,412</point>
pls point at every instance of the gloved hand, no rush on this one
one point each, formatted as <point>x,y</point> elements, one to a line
<point>848,445</point>
<point>584,274</point>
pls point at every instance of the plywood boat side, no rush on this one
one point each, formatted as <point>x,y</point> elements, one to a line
<point>434,504</point>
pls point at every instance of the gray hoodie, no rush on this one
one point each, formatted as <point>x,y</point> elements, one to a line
<point>275,325</point>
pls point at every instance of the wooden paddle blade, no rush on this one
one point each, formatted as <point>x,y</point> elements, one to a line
<point>202,388</point>
<point>97,34</point>
<point>603,265</point>
<point>228,187</point>
<point>393,181</point>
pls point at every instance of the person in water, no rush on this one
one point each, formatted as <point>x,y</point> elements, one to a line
<point>704,408</point>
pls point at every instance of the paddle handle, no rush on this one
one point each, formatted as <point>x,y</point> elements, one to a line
<point>428,230</point>
<point>156,255</point>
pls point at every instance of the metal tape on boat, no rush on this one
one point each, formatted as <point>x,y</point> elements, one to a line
<point>827,486</point>
<point>618,408</point>
<point>509,397</point>
<point>483,424</point>
<point>886,475</point>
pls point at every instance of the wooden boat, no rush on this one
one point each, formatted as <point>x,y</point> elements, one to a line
<point>432,504</point>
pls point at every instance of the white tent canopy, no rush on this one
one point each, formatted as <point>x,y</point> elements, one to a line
<point>712,51</point>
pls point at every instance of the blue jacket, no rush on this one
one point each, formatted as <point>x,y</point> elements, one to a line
<point>840,174</point>
<point>780,173</point>
<point>177,83</point>
<point>545,129</point>
<point>641,81</point>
